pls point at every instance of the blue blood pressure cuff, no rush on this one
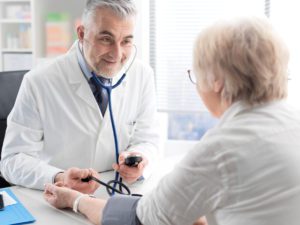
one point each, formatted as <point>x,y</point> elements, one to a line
<point>121,210</point>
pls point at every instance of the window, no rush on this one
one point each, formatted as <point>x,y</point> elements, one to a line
<point>284,16</point>
<point>174,24</point>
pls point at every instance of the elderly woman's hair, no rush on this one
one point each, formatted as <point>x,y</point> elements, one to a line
<point>121,8</point>
<point>247,55</point>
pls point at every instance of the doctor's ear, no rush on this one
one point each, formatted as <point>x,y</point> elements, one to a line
<point>80,32</point>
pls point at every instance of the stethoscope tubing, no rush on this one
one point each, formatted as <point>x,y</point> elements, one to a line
<point>109,89</point>
<point>113,189</point>
<point>116,141</point>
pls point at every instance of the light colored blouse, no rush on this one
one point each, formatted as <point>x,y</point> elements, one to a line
<point>244,171</point>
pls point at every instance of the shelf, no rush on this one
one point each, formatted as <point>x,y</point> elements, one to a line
<point>16,34</point>
<point>23,26</point>
<point>17,21</point>
<point>18,50</point>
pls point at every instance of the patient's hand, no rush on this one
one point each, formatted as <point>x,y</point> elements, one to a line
<point>201,221</point>
<point>60,197</point>
<point>63,197</point>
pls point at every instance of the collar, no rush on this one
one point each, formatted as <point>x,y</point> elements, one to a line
<point>240,107</point>
<point>232,111</point>
<point>82,63</point>
<point>85,68</point>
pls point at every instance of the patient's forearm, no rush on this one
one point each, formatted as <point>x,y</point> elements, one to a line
<point>92,208</point>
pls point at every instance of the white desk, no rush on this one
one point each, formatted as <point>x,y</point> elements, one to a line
<point>34,201</point>
<point>45,214</point>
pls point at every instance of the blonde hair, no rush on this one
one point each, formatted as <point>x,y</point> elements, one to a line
<point>245,54</point>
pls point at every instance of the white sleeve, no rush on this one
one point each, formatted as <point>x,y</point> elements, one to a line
<point>193,189</point>
<point>146,138</point>
<point>23,143</point>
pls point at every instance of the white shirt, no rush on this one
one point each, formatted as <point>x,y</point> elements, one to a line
<point>245,171</point>
<point>56,122</point>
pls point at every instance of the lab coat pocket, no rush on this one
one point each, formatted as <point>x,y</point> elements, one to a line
<point>126,134</point>
<point>130,128</point>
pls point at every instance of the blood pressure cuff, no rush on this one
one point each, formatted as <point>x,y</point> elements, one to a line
<point>121,210</point>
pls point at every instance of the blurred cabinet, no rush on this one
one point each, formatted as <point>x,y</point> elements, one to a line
<point>48,13</point>
<point>16,34</point>
<point>32,30</point>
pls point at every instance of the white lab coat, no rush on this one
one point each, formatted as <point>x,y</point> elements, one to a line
<point>56,122</point>
<point>245,171</point>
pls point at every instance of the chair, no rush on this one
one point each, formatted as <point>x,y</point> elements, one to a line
<point>10,82</point>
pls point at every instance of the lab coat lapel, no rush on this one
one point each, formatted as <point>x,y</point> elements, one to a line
<point>118,100</point>
<point>84,91</point>
<point>79,83</point>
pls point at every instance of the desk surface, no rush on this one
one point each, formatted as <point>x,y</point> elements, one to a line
<point>45,214</point>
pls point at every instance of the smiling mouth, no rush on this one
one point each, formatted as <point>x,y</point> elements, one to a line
<point>109,62</point>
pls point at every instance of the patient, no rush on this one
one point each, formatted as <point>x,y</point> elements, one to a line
<point>244,171</point>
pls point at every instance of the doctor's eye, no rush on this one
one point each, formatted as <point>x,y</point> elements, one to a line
<point>106,40</point>
<point>127,42</point>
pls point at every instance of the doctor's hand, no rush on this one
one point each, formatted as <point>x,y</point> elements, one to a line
<point>130,174</point>
<point>71,178</point>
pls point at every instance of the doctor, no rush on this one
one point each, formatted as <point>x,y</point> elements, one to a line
<point>59,125</point>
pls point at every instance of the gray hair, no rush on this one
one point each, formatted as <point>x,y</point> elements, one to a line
<point>122,8</point>
<point>248,55</point>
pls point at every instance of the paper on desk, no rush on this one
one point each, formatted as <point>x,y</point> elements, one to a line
<point>7,199</point>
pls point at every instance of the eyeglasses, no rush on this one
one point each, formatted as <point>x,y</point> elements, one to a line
<point>192,76</point>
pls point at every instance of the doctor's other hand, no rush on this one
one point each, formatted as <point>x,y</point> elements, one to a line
<point>130,174</point>
<point>59,196</point>
<point>71,178</point>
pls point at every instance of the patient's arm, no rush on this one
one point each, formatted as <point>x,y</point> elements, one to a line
<point>92,208</point>
<point>63,197</point>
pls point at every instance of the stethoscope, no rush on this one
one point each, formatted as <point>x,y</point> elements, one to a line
<point>118,180</point>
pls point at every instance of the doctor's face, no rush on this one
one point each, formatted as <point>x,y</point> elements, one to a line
<point>107,42</point>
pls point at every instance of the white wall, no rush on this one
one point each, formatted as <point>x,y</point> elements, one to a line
<point>142,30</point>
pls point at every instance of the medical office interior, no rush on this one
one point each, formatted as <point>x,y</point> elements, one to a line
<point>34,31</point>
